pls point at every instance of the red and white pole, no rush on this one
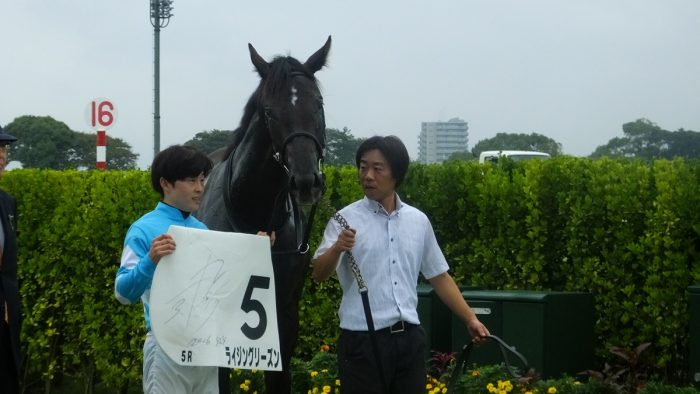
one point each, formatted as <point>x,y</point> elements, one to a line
<point>101,114</point>
<point>101,150</point>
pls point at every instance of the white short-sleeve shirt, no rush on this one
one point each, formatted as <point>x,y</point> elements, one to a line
<point>391,250</point>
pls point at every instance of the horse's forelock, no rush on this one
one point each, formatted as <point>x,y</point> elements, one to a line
<point>282,71</point>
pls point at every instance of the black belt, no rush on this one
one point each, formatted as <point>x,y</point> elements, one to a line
<point>398,327</point>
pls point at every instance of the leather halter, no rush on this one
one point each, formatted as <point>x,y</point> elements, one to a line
<point>278,154</point>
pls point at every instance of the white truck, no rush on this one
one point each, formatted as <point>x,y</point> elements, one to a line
<point>492,156</point>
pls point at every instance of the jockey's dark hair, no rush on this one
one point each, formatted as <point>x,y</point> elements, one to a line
<point>176,163</point>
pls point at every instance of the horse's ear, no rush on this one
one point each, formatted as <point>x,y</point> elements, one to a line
<point>260,64</point>
<point>316,61</point>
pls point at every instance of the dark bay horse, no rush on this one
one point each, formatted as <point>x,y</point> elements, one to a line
<point>271,179</point>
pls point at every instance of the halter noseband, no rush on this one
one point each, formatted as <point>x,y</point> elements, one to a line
<point>278,153</point>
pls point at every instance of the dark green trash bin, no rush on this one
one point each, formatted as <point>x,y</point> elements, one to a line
<point>693,293</point>
<point>435,318</point>
<point>553,330</point>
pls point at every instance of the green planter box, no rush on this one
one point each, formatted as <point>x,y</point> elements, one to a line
<point>435,318</point>
<point>693,293</point>
<point>553,330</point>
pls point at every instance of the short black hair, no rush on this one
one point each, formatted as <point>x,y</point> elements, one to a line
<point>178,162</point>
<point>393,150</point>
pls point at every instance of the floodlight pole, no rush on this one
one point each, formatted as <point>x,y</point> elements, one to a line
<point>161,12</point>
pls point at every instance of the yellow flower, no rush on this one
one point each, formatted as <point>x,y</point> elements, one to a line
<point>528,392</point>
<point>428,386</point>
<point>552,390</point>
<point>476,373</point>
<point>326,389</point>
<point>337,382</point>
<point>577,382</point>
<point>314,374</point>
<point>444,390</point>
<point>324,348</point>
<point>324,370</point>
<point>503,387</point>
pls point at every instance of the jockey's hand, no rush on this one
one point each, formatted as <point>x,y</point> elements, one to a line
<point>161,245</point>
<point>272,236</point>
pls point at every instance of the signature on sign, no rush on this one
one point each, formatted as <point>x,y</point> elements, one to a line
<point>201,297</point>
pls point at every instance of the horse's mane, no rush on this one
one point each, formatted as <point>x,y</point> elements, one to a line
<point>279,77</point>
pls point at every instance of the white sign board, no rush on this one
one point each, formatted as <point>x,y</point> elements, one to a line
<point>213,301</point>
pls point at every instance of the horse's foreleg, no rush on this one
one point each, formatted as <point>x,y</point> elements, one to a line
<point>290,273</point>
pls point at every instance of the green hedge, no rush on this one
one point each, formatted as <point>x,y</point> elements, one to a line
<point>623,230</point>
<point>71,228</point>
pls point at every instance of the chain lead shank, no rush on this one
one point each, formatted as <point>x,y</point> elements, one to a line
<point>353,264</point>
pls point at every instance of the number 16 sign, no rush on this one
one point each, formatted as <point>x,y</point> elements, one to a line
<point>212,301</point>
<point>101,114</point>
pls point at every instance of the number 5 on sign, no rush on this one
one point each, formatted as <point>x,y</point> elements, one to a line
<point>212,301</point>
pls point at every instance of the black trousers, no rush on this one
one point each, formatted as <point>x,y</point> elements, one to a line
<point>9,381</point>
<point>402,357</point>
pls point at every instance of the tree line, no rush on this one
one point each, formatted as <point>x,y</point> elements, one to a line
<point>44,142</point>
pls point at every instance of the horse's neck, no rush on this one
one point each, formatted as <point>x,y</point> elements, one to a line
<point>257,180</point>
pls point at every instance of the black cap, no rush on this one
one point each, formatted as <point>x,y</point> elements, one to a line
<point>5,138</point>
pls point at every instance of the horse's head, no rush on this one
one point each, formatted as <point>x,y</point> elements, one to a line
<point>290,104</point>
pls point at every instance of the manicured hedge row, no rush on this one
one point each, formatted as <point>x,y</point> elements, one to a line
<point>621,230</point>
<point>71,228</point>
<point>624,231</point>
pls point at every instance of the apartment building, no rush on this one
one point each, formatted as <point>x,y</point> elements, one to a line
<point>438,140</point>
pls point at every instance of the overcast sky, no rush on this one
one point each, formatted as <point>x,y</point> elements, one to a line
<point>573,70</point>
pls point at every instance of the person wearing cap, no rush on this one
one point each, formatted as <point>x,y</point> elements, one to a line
<point>392,244</point>
<point>10,320</point>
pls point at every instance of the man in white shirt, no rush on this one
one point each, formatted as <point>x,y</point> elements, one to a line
<point>392,243</point>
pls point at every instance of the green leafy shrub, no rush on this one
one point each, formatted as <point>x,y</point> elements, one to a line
<point>247,381</point>
<point>625,231</point>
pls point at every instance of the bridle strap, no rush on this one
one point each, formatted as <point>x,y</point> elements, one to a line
<point>302,239</point>
<point>277,155</point>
